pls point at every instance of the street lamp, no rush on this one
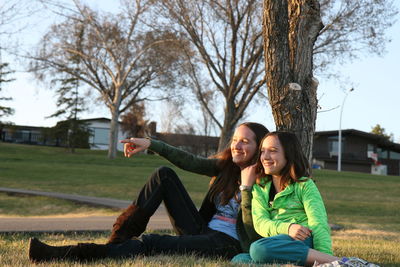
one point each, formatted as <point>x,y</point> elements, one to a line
<point>339,164</point>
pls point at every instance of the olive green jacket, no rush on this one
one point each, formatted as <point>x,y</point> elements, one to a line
<point>209,167</point>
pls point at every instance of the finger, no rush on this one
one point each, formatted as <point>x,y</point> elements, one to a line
<point>124,141</point>
<point>307,231</point>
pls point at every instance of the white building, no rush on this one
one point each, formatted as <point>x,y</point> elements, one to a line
<point>100,128</point>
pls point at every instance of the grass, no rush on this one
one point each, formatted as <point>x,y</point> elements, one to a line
<point>366,205</point>
<point>25,205</point>
<point>13,245</point>
<point>85,172</point>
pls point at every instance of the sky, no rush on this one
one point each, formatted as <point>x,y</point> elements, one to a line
<point>374,100</point>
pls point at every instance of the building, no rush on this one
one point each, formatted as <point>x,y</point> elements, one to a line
<point>100,129</point>
<point>361,152</point>
<point>26,135</point>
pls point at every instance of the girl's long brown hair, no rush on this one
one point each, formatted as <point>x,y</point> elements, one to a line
<point>228,182</point>
<point>297,165</point>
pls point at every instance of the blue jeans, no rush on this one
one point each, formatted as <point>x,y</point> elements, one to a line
<point>193,235</point>
<point>276,249</point>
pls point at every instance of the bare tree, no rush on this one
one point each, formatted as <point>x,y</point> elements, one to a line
<point>119,57</point>
<point>351,28</point>
<point>227,38</point>
<point>291,28</point>
<point>13,14</point>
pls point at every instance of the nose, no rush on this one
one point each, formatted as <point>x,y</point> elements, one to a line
<point>237,145</point>
<point>264,155</point>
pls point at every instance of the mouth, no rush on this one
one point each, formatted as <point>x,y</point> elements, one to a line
<point>267,163</point>
<point>236,152</point>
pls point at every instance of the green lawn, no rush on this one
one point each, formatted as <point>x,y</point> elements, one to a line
<point>85,172</point>
<point>366,205</point>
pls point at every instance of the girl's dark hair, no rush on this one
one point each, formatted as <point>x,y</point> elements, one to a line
<point>297,165</point>
<point>229,180</point>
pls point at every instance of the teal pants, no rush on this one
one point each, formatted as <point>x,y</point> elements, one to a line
<point>276,249</point>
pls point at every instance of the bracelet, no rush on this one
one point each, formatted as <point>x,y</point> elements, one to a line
<point>245,187</point>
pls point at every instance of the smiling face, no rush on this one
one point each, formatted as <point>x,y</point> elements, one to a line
<point>243,146</point>
<point>272,156</point>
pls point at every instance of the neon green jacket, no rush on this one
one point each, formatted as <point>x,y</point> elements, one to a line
<point>299,203</point>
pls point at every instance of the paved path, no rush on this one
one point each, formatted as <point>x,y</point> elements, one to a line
<point>158,221</point>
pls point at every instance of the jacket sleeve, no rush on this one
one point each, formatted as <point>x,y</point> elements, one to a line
<point>247,217</point>
<point>264,224</point>
<point>185,160</point>
<point>317,217</point>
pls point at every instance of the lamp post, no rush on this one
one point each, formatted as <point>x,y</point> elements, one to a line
<point>339,164</point>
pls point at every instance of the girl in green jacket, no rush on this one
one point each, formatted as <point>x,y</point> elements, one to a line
<point>288,210</point>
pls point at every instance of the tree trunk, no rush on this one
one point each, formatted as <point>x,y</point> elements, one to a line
<point>113,138</point>
<point>229,125</point>
<point>226,134</point>
<point>290,29</point>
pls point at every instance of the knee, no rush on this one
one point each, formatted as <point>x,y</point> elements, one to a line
<point>242,258</point>
<point>165,173</point>
<point>262,251</point>
<point>258,250</point>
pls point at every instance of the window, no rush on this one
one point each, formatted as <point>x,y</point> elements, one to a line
<point>100,136</point>
<point>333,145</point>
<point>371,147</point>
<point>394,155</point>
<point>382,153</point>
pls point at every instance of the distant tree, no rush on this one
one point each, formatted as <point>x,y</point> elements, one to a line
<point>4,72</point>
<point>70,103</point>
<point>378,130</point>
<point>119,56</point>
<point>133,122</point>
<point>65,136</point>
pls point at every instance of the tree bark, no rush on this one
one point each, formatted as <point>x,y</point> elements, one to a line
<point>113,138</point>
<point>290,29</point>
<point>228,126</point>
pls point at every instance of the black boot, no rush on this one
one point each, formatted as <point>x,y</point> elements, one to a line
<point>40,252</point>
<point>131,223</point>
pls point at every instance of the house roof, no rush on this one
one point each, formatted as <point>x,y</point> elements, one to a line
<point>378,139</point>
<point>99,119</point>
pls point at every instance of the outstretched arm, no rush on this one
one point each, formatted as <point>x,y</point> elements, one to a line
<point>176,156</point>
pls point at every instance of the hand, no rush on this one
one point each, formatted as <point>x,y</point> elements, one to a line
<point>134,145</point>
<point>248,175</point>
<point>299,232</point>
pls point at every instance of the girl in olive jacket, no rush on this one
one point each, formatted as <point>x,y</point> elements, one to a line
<point>222,227</point>
<point>288,210</point>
